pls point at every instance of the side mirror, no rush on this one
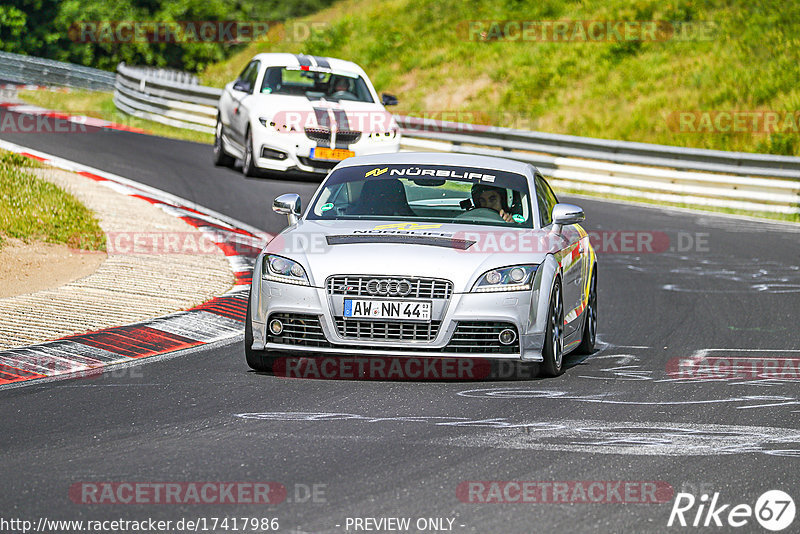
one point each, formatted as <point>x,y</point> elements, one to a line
<point>289,205</point>
<point>566,214</point>
<point>242,85</point>
<point>388,100</point>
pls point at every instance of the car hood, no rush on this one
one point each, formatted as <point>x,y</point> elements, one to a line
<point>348,115</point>
<point>457,252</point>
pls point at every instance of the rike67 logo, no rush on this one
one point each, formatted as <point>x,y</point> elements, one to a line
<point>774,510</point>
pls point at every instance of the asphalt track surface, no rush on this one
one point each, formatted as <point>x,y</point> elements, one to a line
<point>401,448</point>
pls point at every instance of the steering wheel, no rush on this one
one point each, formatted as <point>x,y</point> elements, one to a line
<point>346,95</point>
<point>481,214</point>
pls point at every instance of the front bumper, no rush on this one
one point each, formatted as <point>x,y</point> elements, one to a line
<point>514,309</point>
<point>280,151</point>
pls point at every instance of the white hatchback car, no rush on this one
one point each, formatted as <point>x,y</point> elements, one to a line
<point>299,112</point>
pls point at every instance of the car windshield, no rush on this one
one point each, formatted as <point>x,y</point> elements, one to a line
<point>437,193</point>
<point>315,84</point>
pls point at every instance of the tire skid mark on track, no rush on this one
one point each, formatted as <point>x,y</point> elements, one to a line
<point>753,275</point>
<point>741,402</point>
<point>734,366</point>
<point>584,436</point>
<point>642,439</point>
<point>85,355</point>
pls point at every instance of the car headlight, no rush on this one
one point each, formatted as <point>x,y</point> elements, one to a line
<point>514,278</point>
<point>382,136</point>
<point>272,125</point>
<point>280,269</point>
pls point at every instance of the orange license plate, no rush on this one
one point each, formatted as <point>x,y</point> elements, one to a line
<point>331,153</point>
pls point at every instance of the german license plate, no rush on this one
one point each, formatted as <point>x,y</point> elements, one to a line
<point>331,153</point>
<point>407,310</point>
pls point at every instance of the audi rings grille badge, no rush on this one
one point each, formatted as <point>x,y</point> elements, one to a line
<point>388,287</point>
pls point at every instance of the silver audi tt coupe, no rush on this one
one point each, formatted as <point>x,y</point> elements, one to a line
<point>426,255</point>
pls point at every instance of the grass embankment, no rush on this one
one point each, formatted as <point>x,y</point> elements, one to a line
<point>630,90</point>
<point>32,209</point>
<point>101,105</point>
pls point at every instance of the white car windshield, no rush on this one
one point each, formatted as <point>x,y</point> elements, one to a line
<point>437,193</point>
<point>314,84</point>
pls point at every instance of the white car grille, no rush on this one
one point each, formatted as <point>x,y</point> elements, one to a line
<point>323,136</point>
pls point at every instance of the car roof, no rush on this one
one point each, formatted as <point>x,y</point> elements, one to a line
<point>296,60</point>
<point>440,158</point>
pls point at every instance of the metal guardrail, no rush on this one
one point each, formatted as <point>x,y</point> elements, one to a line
<point>164,98</point>
<point>713,178</point>
<point>700,177</point>
<point>21,69</point>
<point>166,75</point>
<point>755,192</point>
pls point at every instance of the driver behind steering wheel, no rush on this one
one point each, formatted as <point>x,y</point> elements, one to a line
<point>492,197</point>
<point>341,85</point>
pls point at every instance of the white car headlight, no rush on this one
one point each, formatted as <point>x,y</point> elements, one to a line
<point>272,125</point>
<point>513,278</point>
<point>280,269</point>
<point>383,136</point>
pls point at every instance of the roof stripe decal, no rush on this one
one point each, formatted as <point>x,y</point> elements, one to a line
<point>322,62</point>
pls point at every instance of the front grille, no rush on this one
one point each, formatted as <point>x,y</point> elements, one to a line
<point>319,135</point>
<point>356,286</point>
<point>347,137</point>
<point>481,337</point>
<point>322,136</point>
<point>470,337</point>
<point>298,329</point>
<point>366,330</point>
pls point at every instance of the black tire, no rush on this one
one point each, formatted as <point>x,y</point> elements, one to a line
<point>258,360</point>
<point>221,158</point>
<point>589,335</point>
<point>248,163</point>
<point>553,352</point>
